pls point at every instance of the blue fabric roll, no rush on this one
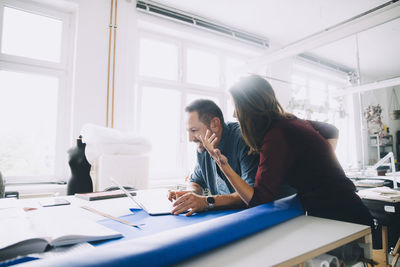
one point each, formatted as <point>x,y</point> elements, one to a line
<point>172,246</point>
<point>150,225</point>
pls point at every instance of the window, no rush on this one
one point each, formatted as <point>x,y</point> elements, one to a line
<point>27,140</point>
<point>30,35</point>
<point>312,98</point>
<point>173,72</point>
<point>191,97</point>
<point>203,68</point>
<point>33,45</point>
<point>230,110</point>
<point>319,94</point>
<point>233,71</point>
<point>158,59</point>
<point>159,123</point>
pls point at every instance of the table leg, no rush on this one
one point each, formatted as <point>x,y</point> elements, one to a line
<point>396,253</point>
<point>380,255</point>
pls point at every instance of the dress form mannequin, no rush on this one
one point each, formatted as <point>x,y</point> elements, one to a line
<point>80,181</point>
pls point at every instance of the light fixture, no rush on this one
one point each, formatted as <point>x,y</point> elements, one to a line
<point>368,87</point>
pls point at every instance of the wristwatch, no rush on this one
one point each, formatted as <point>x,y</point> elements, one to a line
<point>210,201</point>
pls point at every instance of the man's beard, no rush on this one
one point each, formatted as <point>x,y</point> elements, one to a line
<point>200,147</point>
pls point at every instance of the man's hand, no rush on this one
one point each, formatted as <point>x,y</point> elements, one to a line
<point>189,200</point>
<point>174,195</point>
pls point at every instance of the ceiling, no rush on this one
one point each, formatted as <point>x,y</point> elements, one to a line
<point>284,22</point>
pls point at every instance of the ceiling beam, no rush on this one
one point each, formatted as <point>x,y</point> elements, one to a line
<point>367,87</point>
<point>374,17</point>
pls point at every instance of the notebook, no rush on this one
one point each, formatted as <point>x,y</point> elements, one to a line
<point>153,201</point>
<point>102,195</point>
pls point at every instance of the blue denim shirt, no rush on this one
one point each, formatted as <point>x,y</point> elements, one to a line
<point>236,150</point>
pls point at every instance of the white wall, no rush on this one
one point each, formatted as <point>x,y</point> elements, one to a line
<point>90,73</point>
<point>125,66</point>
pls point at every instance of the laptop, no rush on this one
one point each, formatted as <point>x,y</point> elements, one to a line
<point>153,201</point>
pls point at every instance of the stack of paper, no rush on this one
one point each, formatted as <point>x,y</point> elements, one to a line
<point>381,193</point>
<point>368,182</point>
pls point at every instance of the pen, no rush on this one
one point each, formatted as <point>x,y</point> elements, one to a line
<point>110,216</point>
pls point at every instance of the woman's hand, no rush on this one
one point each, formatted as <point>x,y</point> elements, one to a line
<point>244,190</point>
<point>208,142</point>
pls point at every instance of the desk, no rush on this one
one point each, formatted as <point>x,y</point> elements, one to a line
<point>287,244</point>
<point>386,209</point>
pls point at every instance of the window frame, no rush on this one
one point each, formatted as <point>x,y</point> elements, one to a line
<point>211,50</point>
<point>60,70</point>
<point>42,11</point>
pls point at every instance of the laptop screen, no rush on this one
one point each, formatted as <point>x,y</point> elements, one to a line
<point>153,201</point>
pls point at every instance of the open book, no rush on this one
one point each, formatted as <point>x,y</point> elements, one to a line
<point>21,235</point>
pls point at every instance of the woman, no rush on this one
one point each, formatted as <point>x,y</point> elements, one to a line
<point>291,151</point>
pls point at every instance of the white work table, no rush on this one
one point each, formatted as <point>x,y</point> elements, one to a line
<point>287,244</point>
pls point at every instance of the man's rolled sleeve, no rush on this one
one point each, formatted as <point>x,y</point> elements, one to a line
<point>197,177</point>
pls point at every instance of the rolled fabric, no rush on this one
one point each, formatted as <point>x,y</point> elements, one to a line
<point>97,134</point>
<point>324,260</point>
<point>316,262</point>
<point>101,140</point>
<point>172,246</point>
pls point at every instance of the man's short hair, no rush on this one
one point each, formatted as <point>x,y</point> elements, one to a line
<point>206,109</point>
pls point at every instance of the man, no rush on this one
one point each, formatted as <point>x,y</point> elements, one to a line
<point>202,115</point>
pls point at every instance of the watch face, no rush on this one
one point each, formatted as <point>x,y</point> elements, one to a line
<point>210,200</point>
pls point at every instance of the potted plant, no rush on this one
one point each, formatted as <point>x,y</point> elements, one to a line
<point>373,116</point>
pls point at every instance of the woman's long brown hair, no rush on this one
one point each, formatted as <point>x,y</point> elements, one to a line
<point>256,108</point>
